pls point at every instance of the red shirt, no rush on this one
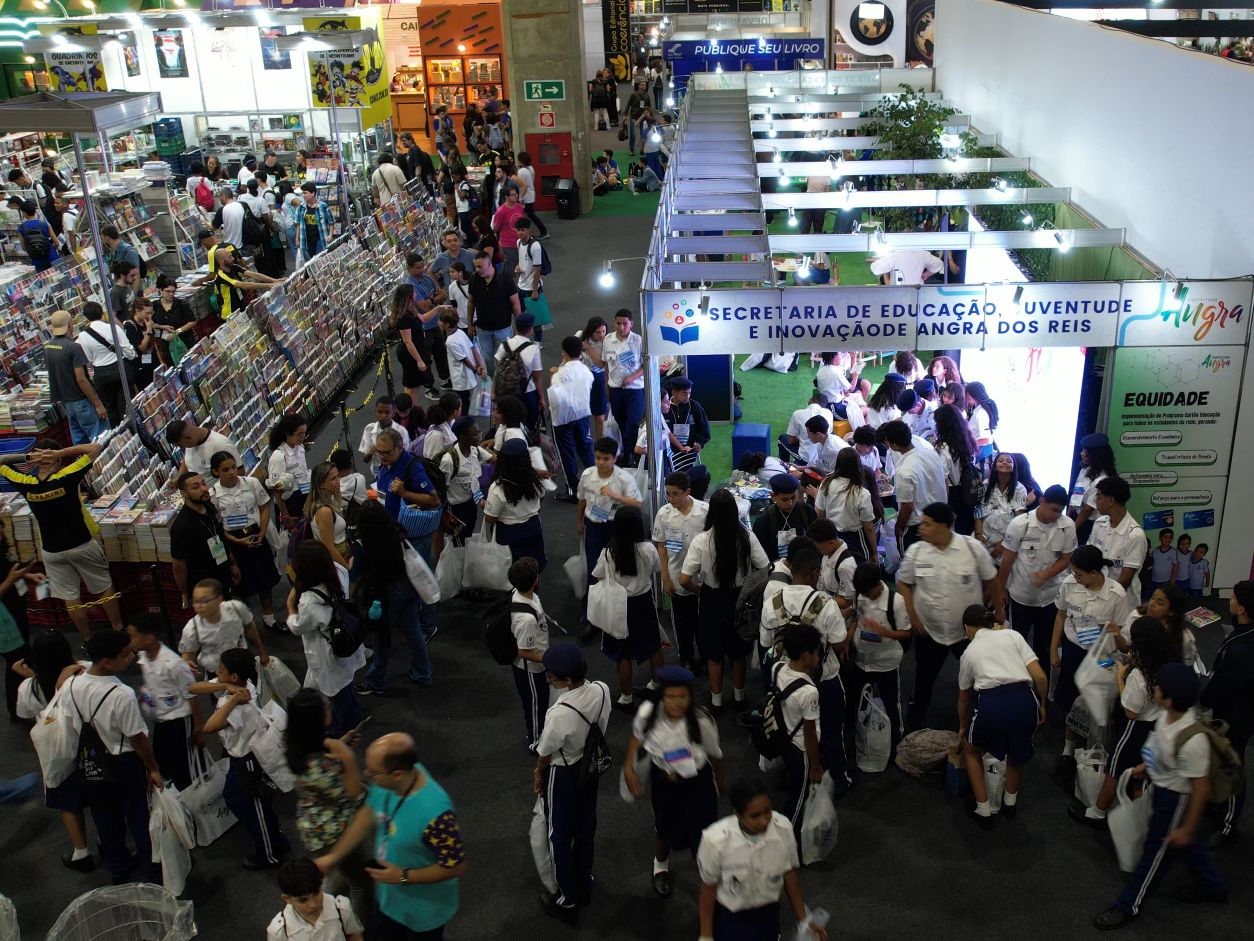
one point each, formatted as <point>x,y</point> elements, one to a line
<point>503,223</point>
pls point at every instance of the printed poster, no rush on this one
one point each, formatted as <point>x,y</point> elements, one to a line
<point>273,58</point>
<point>171,54</point>
<point>131,55</point>
<point>75,71</point>
<point>356,77</point>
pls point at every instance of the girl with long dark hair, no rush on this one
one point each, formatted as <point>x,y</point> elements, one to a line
<point>288,469</point>
<point>1097,460</point>
<point>845,498</point>
<point>1005,497</point>
<point>957,452</point>
<point>944,372</point>
<point>684,769</point>
<point>404,320</point>
<point>592,336</point>
<point>982,416</point>
<point>883,405</point>
<point>631,560</point>
<point>719,560</point>
<point>1166,605</point>
<point>513,503</point>
<point>1023,468</point>
<point>329,791</point>
<point>318,586</point>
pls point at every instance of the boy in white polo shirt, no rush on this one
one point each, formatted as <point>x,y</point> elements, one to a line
<point>311,914</point>
<point>176,716</point>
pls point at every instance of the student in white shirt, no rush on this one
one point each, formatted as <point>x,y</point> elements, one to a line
<point>318,586</point>
<point>1001,701</point>
<point>630,560</point>
<point>353,485</point>
<point>982,417</point>
<point>918,479</point>
<point>1004,499</point>
<point>569,810</point>
<point>819,454</point>
<point>845,499</point>
<point>830,381</point>
<point>793,677</point>
<point>530,627</point>
<point>524,343</point>
<point>177,722</point>
<point>244,506</point>
<point>465,365</point>
<point>913,266</point>
<point>462,464</point>
<point>248,790</point>
<point>1088,601</point>
<point>940,576</point>
<point>602,489</point>
<point>718,562</point>
<point>288,469</point>
<point>803,603</point>
<point>1097,460</point>
<point>199,446</point>
<point>1184,561</point>
<point>880,623</point>
<point>1036,553</point>
<point>622,352</point>
<point>1118,536</point>
<point>676,525</point>
<point>309,913</point>
<point>678,743</point>
<point>459,292</point>
<point>839,563</point>
<point>513,504</point>
<point>1177,757</point>
<point>216,626</point>
<point>570,397</point>
<point>746,861</point>
<point>790,440</point>
<point>385,417</point>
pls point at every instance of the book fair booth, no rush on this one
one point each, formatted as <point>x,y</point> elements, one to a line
<point>1154,361</point>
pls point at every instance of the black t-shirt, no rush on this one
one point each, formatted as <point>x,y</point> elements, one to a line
<point>178,315</point>
<point>61,356</point>
<point>189,542</point>
<point>493,308</point>
<point>56,504</point>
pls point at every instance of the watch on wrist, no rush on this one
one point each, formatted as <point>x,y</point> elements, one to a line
<point>404,877</point>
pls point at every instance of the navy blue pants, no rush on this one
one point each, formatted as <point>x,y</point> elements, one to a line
<point>796,786</point>
<point>570,813</point>
<point>627,406</point>
<point>1004,721</point>
<point>533,690</point>
<point>596,536</point>
<point>856,540</point>
<point>684,609</point>
<point>250,795</point>
<point>118,807</point>
<point>832,733</point>
<point>929,660</point>
<point>1168,813</point>
<point>752,924</point>
<point>573,441</point>
<point>346,712</point>
<point>171,746</point>
<point>1236,803</point>
<point>1036,625</point>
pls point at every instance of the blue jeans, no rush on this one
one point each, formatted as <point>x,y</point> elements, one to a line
<point>403,609</point>
<point>573,439</point>
<point>346,711</point>
<point>16,790</point>
<point>489,340</point>
<point>84,423</point>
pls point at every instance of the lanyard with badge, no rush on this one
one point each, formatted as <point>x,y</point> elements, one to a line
<point>216,549</point>
<point>675,541</point>
<point>785,536</point>
<point>681,429</point>
<point>387,825</point>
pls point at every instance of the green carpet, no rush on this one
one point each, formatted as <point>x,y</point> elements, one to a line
<point>622,202</point>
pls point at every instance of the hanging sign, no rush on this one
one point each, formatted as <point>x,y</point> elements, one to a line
<point>356,77</point>
<point>1170,313</point>
<point>77,68</point>
<point>616,33</point>
<point>984,316</point>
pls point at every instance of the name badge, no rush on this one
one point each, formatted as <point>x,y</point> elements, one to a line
<point>1149,757</point>
<point>598,514</point>
<point>680,761</point>
<point>674,540</point>
<point>1087,630</point>
<point>627,361</point>
<point>216,549</point>
<point>477,496</point>
<point>681,431</point>
<point>1077,497</point>
<point>869,637</point>
<point>145,358</point>
<point>236,521</point>
<point>782,539</point>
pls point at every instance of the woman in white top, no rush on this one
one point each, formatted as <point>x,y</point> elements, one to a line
<point>1001,700</point>
<point>677,743</point>
<point>845,499</point>
<point>287,469</point>
<point>883,404</point>
<point>630,560</point>
<point>513,504</point>
<point>325,511</point>
<point>831,381</point>
<point>719,560</point>
<point>1150,649</point>
<point>593,338</point>
<point>1004,499</point>
<point>982,417</point>
<point>746,861</point>
<point>244,506</point>
<point>1098,460</point>
<point>319,584</point>
<point>1087,602</point>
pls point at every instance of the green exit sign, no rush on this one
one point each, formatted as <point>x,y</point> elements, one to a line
<point>554,90</point>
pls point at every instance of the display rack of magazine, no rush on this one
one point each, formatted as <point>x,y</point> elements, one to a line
<point>28,301</point>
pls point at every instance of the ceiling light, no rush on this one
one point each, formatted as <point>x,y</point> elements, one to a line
<point>770,130</point>
<point>834,167</point>
<point>719,67</point>
<point>784,179</point>
<point>29,60</point>
<point>1026,218</point>
<point>59,40</point>
<point>870,11</point>
<point>778,158</point>
<point>703,305</point>
<point>1000,185</point>
<point>770,91</point>
<point>1064,243</point>
<point>670,102</point>
<point>792,218</point>
<point>461,47</point>
<point>655,136</point>
<point>607,279</point>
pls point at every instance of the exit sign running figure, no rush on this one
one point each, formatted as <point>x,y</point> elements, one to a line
<point>554,90</point>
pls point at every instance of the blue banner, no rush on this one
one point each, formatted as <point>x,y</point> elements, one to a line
<point>740,49</point>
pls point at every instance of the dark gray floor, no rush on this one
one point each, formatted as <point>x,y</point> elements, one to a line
<point>907,862</point>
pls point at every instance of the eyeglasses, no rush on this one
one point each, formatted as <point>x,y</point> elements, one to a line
<point>198,602</point>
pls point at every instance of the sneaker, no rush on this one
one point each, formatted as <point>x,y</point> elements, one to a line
<point>365,689</point>
<point>629,706</point>
<point>432,394</point>
<point>549,904</point>
<point>1009,811</point>
<point>1113,917</point>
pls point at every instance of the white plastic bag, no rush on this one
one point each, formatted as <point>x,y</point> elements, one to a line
<point>607,606</point>
<point>449,570</point>
<point>577,573</point>
<point>178,817</point>
<point>203,798</point>
<point>818,823</point>
<point>1095,679</point>
<point>269,750</point>
<point>643,772</point>
<point>275,683</point>
<point>541,851</point>
<point>1128,821</point>
<point>55,737</point>
<point>873,733</point>
<point>420,575</point>
<point>168,849</point>
<point>994,781</point>
<point>1090,773</point>
<point>487,563</point>
<point>481,406</point>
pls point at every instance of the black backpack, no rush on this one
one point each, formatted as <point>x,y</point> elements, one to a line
<point>748,617</point>
<point>546,265</point>
<point>771,738</point>
<point>95,762</point>
<point>343,632</point>
<point>499,635</point>
<point>35,240</point>
<point>512,374</point>
<point>596,759</point>
<point>252,231</point>
<point>436,476</point>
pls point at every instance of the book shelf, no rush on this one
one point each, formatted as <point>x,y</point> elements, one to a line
<point>124,204</point>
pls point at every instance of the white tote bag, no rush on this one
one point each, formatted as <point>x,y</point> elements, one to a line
<point>577,573</point>
<point>275,683</point>
<point>643,772</point>
<point>55,737</point>
<point>487,563</point>
<point>268,748</point>
<point>449,570</point>
<point>873,733</point>
<point>818,823</point>
<point>167,850</point>
<point>1095,679</point>
<point>204,800</point>
<point>541,851</point>
<point>420,575</point>
<point>994,781</point>
<point>1128,821</point>
<point>1090,773</point>
<point>607,606</point>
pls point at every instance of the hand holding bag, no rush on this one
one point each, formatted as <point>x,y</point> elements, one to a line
<point>275,683</point>
<point>1128,821</point>
<point>1095,679</point>
<point>818,823</point>
<point>1090,774</point>
<point>607,605</point>
<point>203,798</point>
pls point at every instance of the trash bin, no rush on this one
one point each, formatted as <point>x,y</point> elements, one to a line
<point>567,193</point>
<point>125,913</point>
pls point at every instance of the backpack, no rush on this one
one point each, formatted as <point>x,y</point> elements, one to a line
<point>499,635</point>
<point>343,632</point>
<point>971,483</point>
<point>436,476</point>
<point>1227,773</point>
<point>252,231</point>
<point>806,614</point>
<point>496,137</point>
<point>748,616</point>
<point>511,373</point>
<point>546,265</point>
<point>596,759</point>
<point>203,194</point>
<point>95,762</point>
<point>35,240</point>
<point>771,738</point>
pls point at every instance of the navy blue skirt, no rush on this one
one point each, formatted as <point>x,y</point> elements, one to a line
<point>1126,752</point>
<point>643,638</point>
<point>523,539</point>
<point>257,572</point>
<point>598,398</point>
<point>68,795</point>
<point>716,625</point>
<point>683,807</point>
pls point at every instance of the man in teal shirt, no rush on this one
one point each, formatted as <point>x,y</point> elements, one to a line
<point>417,843</point>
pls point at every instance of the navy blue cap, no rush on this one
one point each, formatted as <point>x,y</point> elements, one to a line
<point>514,446</point>
<point>785,483</point>
<point>681,383</point>
<point>925,387</point>
<point>907,400</point>
<point>674,675</point>
<point>462,424</point>
<point>525,319</point>
<point>894,377</point>
<point>1179,683</point>
<point>563,660</point>
<point>1095,440</point>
